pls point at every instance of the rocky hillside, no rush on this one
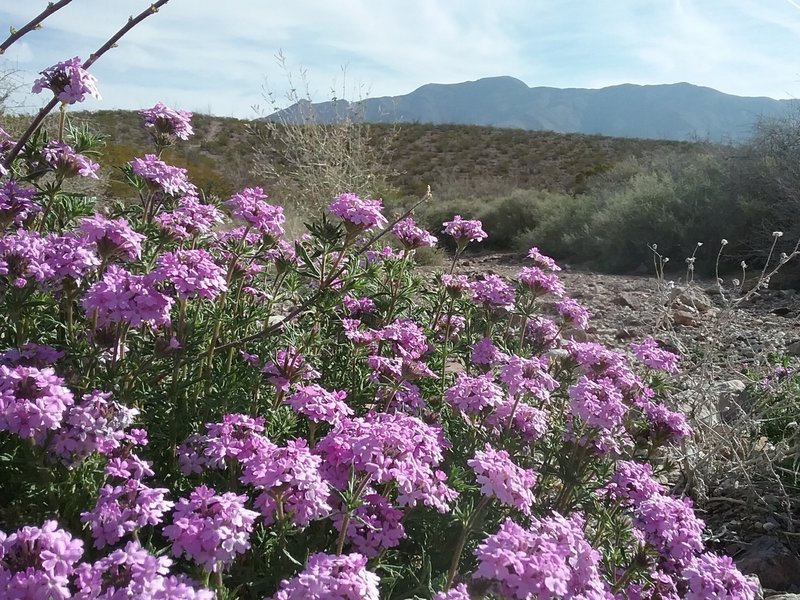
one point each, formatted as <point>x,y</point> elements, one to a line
<point>219,156</point>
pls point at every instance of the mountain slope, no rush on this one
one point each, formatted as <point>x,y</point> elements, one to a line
<point>678,111</point>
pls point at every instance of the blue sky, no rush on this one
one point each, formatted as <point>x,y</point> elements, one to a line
<point>215,56</point>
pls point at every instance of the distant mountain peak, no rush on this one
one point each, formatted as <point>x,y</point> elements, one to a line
<point>674,111</point>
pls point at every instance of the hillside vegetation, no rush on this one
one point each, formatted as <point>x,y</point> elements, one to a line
<point>591,200</point>
<point>219,156</point>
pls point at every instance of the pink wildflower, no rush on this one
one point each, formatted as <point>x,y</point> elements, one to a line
<point>69,81</point>
<point>464,231</point>
<point>211,529</point>
<point>654,357</point>
<point>413,236</point>
<point>501,478</point>
<point>542,261</point>
<point>168,122</point>
<point>249,205</point>
<point>358,214</point>
<point>344,577</point>
<point>191,273</point>
<point>68,163</point>
<point>114,237</point>
<point>171,180</point>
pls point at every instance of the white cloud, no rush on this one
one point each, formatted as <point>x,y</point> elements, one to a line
<point>205,53</point>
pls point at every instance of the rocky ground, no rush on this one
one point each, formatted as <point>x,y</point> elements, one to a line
<point>723,338</point>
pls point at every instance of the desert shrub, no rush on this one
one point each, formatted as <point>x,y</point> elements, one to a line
<point>671,201</point>
<point>309,162</point>
<point>505,217</point>
<point>561,228</point>
<point>310,418</point>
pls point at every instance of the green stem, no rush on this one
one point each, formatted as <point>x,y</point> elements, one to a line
<point>462,540</point>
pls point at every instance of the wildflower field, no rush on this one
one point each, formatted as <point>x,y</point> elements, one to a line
<point>194,406</point>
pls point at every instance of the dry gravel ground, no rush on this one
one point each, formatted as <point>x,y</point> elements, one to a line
<point>730,470</point>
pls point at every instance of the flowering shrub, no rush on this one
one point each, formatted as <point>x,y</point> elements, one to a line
<point>310,419</point>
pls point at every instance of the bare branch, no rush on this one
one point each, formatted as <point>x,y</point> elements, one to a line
<point>37,121</point>
<point>35,23</point>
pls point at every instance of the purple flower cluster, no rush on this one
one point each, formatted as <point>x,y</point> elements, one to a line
<point>530,422</point>
<point>542,261</point>
<point>357,307</point>
<point>16,204</point>
<point>191,218</point>
<point>540,282</point>
<point>573,313</point>
<point>290,481</point>
<point>68,163</point>
<point>598,361</point>
<point>406,339</point>
<point>670,526</point>
<point>166,178</point>
<point>249,206</point>
<point>632,483</point>
<point>542,332</point>
<point>357,213</point>
<point>31,355</point>
<point>655,357</point>
<point>113,238</point>
<point>493,293</point>
<point>666,424</point>
<point>598,403</point>
<point>68,81</point>
<point>528,376</point>
<point>236,438</point>
<point>32,401</point>
<point>318,404</point>
<point>375,526</point>
<point>389,447</point>
<point>211,529</point>
<point>472,395</point>
<point>123,509</point>
<point>484,352</point>
<point>455,285</point>
<point>412,236</point>
<point>711,576</point>
<point>459,592</point>
<point>191,273</point>
<point>96,424</point>
<point>548,561</point>
<point>343,577</point>
<point>464,231</point>
<point>38,562</point>
<point>169,122</point>
<point>46,259</point>
<point>132,572</point>
<point>122,297</point>
<point>501,478</point>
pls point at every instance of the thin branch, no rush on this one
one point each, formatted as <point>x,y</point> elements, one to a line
<point>34,23</point>
<point>132,22</point>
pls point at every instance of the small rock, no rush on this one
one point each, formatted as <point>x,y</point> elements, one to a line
<point>781,311</point>
<point>626,299</point>
<point>793,348</point>
<point>684,317</point>
<point>692,297</point>
<point>777,567</point>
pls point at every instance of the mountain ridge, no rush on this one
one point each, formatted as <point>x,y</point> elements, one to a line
<point>672,111</point>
